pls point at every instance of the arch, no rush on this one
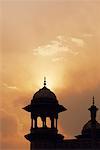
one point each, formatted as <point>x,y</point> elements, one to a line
<point>39,122</point>
<point>48,122</point>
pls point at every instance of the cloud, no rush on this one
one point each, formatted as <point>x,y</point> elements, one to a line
<point>57,59</point>
<point>79,42</point>
<point>88,35</point>
<point>50,49</point>
<point>58,46</point>
<point>9,86</point>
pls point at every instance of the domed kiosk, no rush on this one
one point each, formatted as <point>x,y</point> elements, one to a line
<point>91,130</point>
<point>44,104</point>
<point>86,131</point>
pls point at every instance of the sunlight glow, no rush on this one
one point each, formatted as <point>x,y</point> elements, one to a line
<point>51,82</point>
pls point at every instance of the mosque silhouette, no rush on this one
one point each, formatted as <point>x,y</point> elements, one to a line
<point>44,104</point>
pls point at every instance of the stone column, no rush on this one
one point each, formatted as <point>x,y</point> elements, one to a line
<point>44,121</point>
<point>52,122</point>
<point>56,123</point>
<point>31,123</point>
<point>35,120</point>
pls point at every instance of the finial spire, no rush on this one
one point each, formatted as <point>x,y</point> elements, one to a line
<point>93,110</point>
<point>44,81</point>
<point>93,100</point>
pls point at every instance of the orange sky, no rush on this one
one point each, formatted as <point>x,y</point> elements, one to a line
<point>59,39</point>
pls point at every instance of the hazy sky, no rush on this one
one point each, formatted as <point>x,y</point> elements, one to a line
<point>59,39</point>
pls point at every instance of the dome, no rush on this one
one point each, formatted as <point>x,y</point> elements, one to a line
<point>87,127</point>
<point>44,95</point>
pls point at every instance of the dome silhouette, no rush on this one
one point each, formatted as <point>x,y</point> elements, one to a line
<point>44,95</point>
<point>87,127</point>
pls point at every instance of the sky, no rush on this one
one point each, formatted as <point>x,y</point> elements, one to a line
<point>59,39</point>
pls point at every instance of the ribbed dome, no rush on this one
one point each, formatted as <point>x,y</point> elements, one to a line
<point>87,127</point>
<point>45,95</point>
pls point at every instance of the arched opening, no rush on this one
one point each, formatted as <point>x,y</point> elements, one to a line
<point>48,122</point>
<point>56,122</point>
<point>39,122</point>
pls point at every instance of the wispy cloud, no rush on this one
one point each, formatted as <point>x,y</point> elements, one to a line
<point>9,86</point>
<point>52,48</point>
<point>59,46</point>
<point>78,41</point>
<point>57,59</point>
<point>88,35</point>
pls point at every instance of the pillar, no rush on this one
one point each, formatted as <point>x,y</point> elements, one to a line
<point>52,122</point>
<point>31,123</point>
<point>56,123</point>
<point>35,120</point>
<point>44,121</point>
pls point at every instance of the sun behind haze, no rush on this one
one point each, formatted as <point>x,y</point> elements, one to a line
<point>59,39</point>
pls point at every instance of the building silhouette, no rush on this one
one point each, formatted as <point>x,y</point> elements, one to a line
<point>44,104</point>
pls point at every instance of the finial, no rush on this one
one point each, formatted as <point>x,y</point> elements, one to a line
<point>44,81</point>
<point>93,100</point>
